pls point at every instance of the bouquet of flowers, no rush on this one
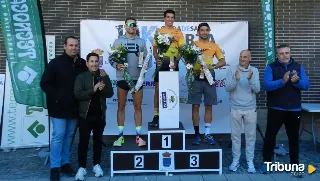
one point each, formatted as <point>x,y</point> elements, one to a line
<point>119,55</point>
<point>163,42</point>
<point>189,55</point>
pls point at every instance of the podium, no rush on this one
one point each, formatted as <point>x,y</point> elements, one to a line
<point>167,150</point>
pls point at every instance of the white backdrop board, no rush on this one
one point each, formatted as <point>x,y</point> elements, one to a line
<point>232,37</point>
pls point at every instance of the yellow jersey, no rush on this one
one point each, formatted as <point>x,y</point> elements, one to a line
<point>178,37</point>
<point>209,50</point>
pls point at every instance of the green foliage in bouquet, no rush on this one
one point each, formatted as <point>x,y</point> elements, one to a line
<point>119,55</point>
<point>189,54</point>
<point>163,42</point>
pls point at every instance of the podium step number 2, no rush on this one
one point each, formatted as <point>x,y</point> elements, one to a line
<point>138,161</point>
<point>134,161</point>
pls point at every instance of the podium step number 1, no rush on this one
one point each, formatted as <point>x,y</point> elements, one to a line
<point>166,141</point>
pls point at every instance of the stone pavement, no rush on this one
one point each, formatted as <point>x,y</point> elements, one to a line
<point>196,177</point>
<point>25,164</point>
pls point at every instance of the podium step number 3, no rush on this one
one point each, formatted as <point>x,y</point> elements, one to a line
<point>194,160</point>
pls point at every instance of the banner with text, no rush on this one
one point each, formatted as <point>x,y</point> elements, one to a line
<point>232,37</point>
<point>24,126</point>
<point>268,29</point>
<point>2,81</point>
<point>23,36</point>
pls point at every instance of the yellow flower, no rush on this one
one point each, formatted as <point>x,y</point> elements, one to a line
<point>98,51</point>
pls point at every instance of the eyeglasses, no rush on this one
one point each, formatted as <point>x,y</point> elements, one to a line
<point>131,24</point>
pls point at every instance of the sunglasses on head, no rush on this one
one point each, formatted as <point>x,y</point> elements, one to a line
<point>131,24</point>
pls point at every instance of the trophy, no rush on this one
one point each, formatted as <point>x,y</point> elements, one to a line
<point>201,74</point>
<point>205,72</point>
<point>140,62</point>
<point>171,62</point>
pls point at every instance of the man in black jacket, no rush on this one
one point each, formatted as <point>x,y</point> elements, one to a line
<point>91,90</point>
<point>58,84</point>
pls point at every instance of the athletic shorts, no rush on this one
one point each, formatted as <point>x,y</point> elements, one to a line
<point>202,87</point>
<point>123,85</point>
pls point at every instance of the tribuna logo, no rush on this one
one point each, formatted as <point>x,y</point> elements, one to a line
<point>280,167</point>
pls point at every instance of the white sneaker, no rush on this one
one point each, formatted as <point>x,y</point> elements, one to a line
<point>140,142</point>
<point>119,141</point>
<point>251,168</point>
<point>234,166</point>
<point>80,174</point>
<point>97,171</point>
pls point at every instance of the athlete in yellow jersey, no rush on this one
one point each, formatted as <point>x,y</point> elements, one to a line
<point>201,85</point>
<point>176,34</point>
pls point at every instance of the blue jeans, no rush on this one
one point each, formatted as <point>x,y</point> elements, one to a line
<point>62,135</point>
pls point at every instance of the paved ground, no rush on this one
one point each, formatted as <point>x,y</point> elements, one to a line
<point>25,164</point>
<point>198,177</point>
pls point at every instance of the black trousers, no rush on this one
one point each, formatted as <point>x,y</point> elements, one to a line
<point>96,125</point>
<point>291,121</point>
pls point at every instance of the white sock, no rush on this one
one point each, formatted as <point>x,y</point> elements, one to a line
<point>207,128</point>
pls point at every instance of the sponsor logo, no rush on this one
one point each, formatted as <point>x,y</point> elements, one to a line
<point>27,75</point>
<point>36,129</point>
<point>169,99</point>
<point>30,110</point>
<point>128,100</point>
<point>148,84</point>
<point>164,99</point>
<point>100,53</point>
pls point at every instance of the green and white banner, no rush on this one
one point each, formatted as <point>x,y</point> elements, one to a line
<point>268,28</point>
<point>23,34</point>
<point>24,126</point>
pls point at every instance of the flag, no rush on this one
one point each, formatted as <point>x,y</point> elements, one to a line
<point>24,41</point>
<point>268,29</point>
